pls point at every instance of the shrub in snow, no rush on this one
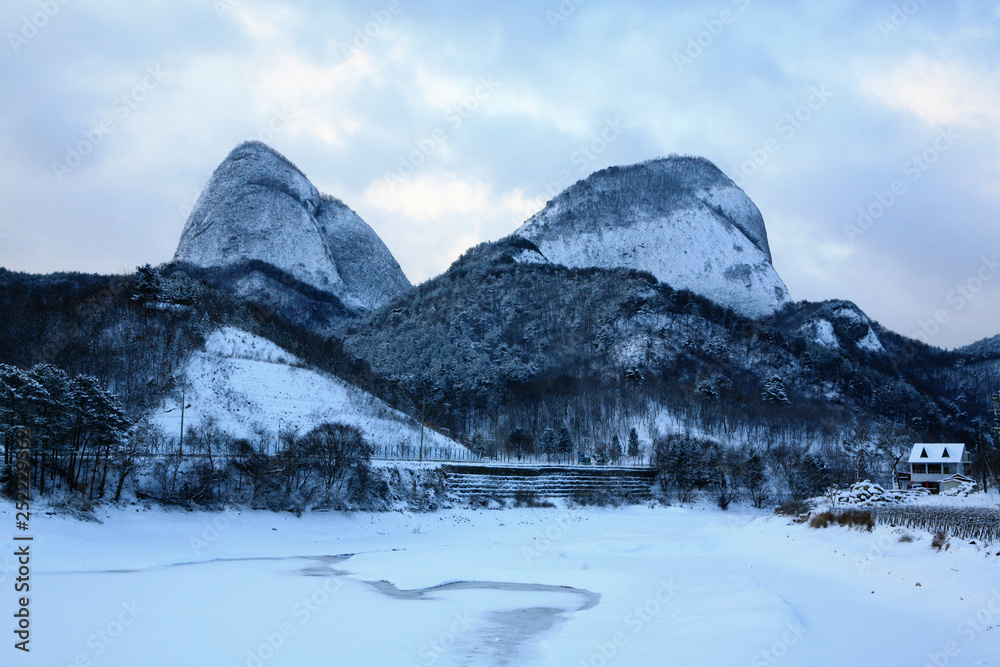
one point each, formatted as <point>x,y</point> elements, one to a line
<point>822,520</point>
<point>940,540</point>
<point>856,519</point>
<point>794,508</point>
<point>852,518</point>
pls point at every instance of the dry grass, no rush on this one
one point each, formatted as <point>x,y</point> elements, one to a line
<point>859,519</point>
<point>793,508</point>
<point>940,540</point>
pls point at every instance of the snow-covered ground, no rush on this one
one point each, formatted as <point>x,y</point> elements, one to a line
<point>636,586</point>
<point>247,383</point>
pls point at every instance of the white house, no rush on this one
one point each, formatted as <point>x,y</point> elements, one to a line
<point>932,464</point>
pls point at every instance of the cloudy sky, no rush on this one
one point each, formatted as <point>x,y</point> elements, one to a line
<point>868,133</point>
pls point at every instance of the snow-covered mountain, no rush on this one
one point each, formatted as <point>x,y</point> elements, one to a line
<point>835,325</point>
<point>261,219</point>
<point>678,218</point>
<point>248,385</point>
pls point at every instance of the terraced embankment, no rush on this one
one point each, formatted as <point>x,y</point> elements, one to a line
<point>500,481</point>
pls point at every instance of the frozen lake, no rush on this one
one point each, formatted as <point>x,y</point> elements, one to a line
<point>636,586</point>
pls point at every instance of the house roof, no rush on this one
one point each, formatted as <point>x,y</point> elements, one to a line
<point>937,453</point>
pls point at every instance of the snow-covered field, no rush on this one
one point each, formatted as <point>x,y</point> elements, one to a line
<point>636,586</point>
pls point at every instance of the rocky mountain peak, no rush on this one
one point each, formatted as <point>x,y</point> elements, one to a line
<point>679,218</point>
<point>263,223</point>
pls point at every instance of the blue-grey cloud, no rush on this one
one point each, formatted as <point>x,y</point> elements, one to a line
<point>446,123</point>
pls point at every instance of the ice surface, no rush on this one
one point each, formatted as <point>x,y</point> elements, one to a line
<point>677,586</point>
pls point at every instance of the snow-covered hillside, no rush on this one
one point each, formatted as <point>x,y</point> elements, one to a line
<point>837,325</point>
<point>248,384</point>
<point>258,207</point>
<point>679,218</point>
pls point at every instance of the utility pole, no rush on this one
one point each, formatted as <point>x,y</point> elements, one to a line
<point>184,405</point>
<point>996,439</point>
<point>182,421</point>
<point>423,415</point>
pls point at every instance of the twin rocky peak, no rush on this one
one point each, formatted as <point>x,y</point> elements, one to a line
<point>263,230</point>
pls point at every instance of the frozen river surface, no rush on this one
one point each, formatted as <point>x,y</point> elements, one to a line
<point>637,586</point>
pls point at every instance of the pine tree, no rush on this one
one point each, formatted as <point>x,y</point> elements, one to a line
<point>147,284</point>
<point>774,391</point>
<point>859,450</point>
<point>565,445</point>
<point>549,443</point>
<point>520,442</point>
<point>633,443</point>
<point>816,475</point>
<point>614,452</point>
<point>755,479</point>
<point>478,444</point>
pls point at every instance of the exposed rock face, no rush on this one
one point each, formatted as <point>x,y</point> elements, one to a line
<point>679,218</point>
<point>262,227</point>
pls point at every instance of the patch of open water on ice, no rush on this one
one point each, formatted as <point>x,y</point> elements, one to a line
<point>497,636</point>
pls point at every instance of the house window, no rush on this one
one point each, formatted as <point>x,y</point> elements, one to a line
<point>947,469</point>
<point>920,468</point>
<point>933,468</point>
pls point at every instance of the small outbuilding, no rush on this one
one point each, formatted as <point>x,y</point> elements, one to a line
<point>932,464</point>
<point>956,481</point>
